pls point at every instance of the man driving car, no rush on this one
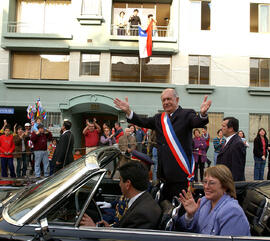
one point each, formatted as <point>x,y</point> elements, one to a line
<point>142,212</point>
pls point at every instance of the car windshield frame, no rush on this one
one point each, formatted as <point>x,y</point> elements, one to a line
<point>35,198</point>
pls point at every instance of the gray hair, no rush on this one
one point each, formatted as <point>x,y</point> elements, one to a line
<point>174,92</point>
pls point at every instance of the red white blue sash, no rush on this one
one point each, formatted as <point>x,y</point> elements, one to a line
<point>176,147</point>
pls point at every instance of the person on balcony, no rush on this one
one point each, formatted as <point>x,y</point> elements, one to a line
<point>155,31</point>
<point>134,21</point>
<point>121,24</point>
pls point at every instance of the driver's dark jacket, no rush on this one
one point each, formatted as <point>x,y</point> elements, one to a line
<point>144,213</point>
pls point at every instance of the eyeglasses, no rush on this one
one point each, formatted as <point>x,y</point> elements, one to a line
<point>209,183</point>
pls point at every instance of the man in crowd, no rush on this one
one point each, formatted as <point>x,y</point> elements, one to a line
<point>40,139</point>
<point>140,138</point>
<point>6,148</point>
<point>63,153</point>
<point>182,121</point>
<point>143,212</point>
<point>21,139</point>
<point>91,133</point>
<point>127,144</point>
<point>118,131</point>
<point>233,153</point>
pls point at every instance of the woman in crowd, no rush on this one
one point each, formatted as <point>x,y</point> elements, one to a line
<point>260,147</point>
<point>132,130</point>
<point>199,153</point>
<point>218,212</point>
<point>107,138</point>
<point>218,142</point>
<point>243,137</point>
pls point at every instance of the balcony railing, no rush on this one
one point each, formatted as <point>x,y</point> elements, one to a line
<point>44,28</point>
<point>159,32</point>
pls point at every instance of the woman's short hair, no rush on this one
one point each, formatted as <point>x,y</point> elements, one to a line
<point>196,130</point>
<point>224,175</point>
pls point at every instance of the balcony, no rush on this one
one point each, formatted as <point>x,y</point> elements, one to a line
<point>161,34</point>
<point>37,30</point>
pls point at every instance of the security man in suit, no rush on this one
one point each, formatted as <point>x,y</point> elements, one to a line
<point>233,153</point>
<point>182,121</point>
<point>142,212</point>
<point>63,153</point>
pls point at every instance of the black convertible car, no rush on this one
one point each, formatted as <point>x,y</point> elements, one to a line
<point>52,209</point>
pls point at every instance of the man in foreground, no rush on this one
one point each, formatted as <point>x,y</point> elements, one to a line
<point>181,122</point>
<point>143,212</point>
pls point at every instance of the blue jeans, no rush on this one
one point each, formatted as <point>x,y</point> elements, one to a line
<point>259,168</point>
<point>155,160</point>
<point>41,156</point>
<point>22,171</point>
<point>7,162</point>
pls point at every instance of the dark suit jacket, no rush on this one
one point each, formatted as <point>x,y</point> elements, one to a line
<point>61,149</point>
<point>233,155</point>
<point>258,147</point>
<point>144,213</point>
<point>183,121</point>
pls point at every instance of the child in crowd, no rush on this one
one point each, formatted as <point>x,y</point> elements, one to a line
<point>37,122</point>
<point>51,149</point>
<point>77,155</point>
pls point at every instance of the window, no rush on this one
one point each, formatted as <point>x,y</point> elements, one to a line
<point>257,121</point>
<point>53,119</point>
<point>199,67</point>
<point>200,15</point>
<point>43,16</point>
<point>90,64</point>
<point>40,66</point>
<point>91,7</point>
<point>259,18</point>
<point>133,69</point>
<point>205,15</point>
<point>259,72</point>
<point>160,11</point>
<point>215,121</point>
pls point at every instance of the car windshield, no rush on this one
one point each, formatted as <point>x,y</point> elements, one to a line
<point>42,192</point>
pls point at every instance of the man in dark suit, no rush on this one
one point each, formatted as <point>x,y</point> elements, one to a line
<point>183,121</point>
<point>233,153</point>
<point>143,212</point>
<point>63,153</point>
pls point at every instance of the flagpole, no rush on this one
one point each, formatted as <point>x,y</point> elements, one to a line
<point>140,69</point>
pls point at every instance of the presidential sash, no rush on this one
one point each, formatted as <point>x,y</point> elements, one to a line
<point>176,148</point>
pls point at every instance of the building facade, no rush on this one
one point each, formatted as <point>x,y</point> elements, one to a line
<point>77,56</point>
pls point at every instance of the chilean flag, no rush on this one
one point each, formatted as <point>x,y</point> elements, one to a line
<point>145,41</point>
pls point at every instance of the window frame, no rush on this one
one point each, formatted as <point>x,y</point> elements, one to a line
<point>81,56</point>
<point>141,63</point>
<point>258,84</point>
<point>199,72</point>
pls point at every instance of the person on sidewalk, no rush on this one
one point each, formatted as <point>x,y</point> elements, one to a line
<point>7,147</point>
<point>40,139</point>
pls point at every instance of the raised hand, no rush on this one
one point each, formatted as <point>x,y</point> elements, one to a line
<point>122,105</point>
<point>205,105</point>
<point>189,203</point>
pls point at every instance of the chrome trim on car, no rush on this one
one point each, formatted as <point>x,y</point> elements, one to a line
<point>89,199</point>
<point>37,208</point>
